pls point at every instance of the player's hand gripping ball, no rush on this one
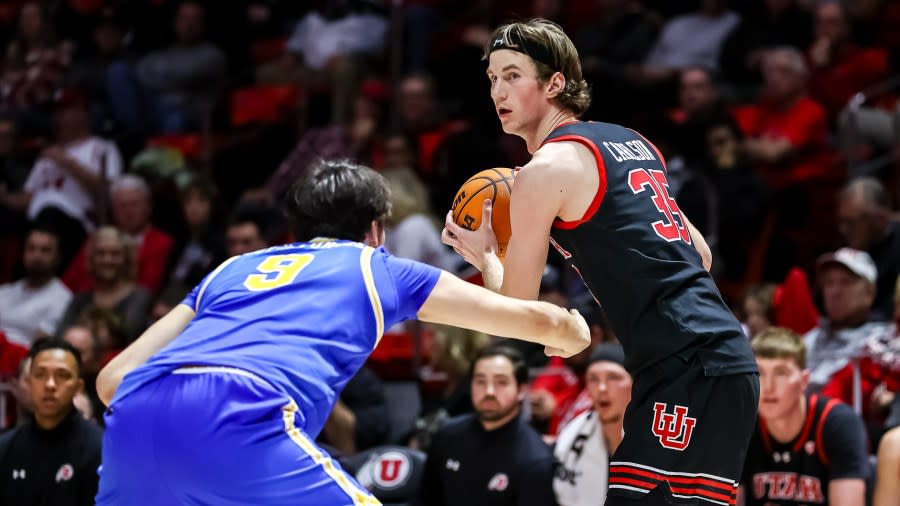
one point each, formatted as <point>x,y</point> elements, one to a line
<point>495,184</point>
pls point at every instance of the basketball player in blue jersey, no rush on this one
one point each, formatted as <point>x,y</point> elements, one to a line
<point>598,193</point>
<point>218,403</point>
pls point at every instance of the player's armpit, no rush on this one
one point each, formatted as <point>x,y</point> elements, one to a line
<point>455,302</point>
<point>151,341</point>
<point>847,492</point>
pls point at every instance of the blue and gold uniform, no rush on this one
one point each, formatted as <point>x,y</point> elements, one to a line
<point>227,412</point>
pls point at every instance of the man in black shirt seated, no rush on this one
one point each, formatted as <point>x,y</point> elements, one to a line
<point>492,456</point>
<point>53,458</point>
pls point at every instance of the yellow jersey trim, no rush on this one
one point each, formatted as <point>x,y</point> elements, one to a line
<point>358,496</point>
<point>209,279</point>
<point>365,261</point>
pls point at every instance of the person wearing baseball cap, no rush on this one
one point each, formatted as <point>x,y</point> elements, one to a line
<point>586,443</point>
<point>856,261</point>
<point>847,279</point>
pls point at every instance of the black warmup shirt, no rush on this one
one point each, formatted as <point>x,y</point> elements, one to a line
<point>469,466</point>
<point>50,467</point>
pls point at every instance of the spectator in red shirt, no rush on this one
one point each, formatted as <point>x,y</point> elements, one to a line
<point>838,67</point>
<point>787,135</point>
<point>131,208</point>
<point>787,142</point>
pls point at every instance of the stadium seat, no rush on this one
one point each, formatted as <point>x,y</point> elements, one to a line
<point>404,403</point>
<point>392,474</point>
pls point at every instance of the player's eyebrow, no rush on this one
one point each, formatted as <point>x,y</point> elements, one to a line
<point>504,69</point>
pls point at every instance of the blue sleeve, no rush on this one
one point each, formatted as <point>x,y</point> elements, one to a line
<point>413,281</point>
<point>191,299</point>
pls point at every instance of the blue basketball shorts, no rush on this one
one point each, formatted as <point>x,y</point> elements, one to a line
<point>216,436</point>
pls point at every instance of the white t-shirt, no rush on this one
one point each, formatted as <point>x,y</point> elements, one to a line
<point>24,311</point>
<point>582,476</point>
<point>320,39</point>
<point>54,186</point>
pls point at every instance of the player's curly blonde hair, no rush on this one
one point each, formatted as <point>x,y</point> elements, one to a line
<point>557,54</point>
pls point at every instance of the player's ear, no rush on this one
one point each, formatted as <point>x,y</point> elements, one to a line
<point>375,234</point>
<point>556,84</point>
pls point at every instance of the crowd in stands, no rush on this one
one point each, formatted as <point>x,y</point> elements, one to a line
<point>144,142</point>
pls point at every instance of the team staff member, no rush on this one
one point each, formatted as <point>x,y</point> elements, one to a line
<point>492,456</point>
<point>805,450</point>
<point>52,460</point>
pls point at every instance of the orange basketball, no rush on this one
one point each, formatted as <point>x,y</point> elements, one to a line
<point>495,184</point>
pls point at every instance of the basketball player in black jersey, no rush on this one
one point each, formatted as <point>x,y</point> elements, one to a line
<point>806,449</point>
<point>598,193</point>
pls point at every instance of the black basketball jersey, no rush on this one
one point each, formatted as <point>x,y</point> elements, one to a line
<point>798,472</point>
<point>634,252</point>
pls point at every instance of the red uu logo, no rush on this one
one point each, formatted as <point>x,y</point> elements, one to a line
<point>673,430</point>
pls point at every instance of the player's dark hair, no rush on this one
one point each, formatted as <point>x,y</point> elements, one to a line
<point>54,343</point>
<point>338,199</point>
<point>520,368</point>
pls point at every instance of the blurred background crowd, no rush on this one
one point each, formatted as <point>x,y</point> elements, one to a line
<point>142,142</point>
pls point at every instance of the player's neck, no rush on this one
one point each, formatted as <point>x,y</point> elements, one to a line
<point>549,123</point>
<point>786,428</point>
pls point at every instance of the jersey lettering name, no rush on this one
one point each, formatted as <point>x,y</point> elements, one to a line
<point>631,150</point>
<point>788,486</point>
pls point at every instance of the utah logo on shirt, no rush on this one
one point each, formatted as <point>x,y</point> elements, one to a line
<point>65,473</point>
<point>499,482</point>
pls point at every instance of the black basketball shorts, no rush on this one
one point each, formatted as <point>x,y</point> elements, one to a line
<point>686,436</point>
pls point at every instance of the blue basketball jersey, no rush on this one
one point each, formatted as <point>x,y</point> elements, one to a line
<point>304,316</point>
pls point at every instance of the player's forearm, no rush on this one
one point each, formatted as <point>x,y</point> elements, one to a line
<point>151,341</point>
<point>455,302</point>
<point>493,273</point>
